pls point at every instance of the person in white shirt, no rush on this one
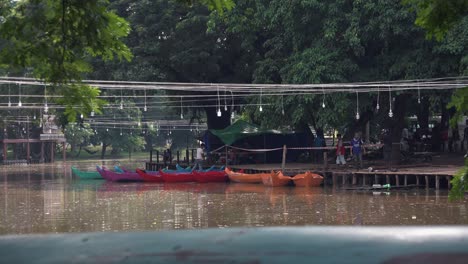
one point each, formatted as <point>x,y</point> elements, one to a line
<point>199,157</point>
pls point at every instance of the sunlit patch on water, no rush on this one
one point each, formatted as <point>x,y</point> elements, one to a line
<point>47,199</point>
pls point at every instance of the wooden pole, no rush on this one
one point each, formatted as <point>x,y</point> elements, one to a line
<point>437,179</point>
<point>64,154</point>
<point>427,181</point>
<point>42,152</point>
<point>325,159</point>
<point>406,180</point>
<point>283,163</point>
<point>151,155</point>
<point>397,177</point>
<point>448,182</point>
<point>178,157</point>
<point>417,179</point>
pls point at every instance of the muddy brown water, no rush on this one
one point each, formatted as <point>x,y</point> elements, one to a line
<point>48,199</point>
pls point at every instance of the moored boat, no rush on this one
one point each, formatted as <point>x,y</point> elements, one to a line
<point>177,176</point>
<point>210,176</point>
<point>275,179</point>
<point>153,176</point>
<point>244,177</point>
<point>307,179</point>
<point>114,176</point>
<point>85,175</point>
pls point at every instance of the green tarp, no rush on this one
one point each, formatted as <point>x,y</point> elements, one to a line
<point>241,129</point>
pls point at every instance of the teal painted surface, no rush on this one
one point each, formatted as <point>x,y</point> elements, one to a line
<point>244,245</point>
<point>86,175</point>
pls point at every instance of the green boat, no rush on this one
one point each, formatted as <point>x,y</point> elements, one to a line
<point>86,174</point>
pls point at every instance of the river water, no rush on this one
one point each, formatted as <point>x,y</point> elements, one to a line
<point>48,199</point>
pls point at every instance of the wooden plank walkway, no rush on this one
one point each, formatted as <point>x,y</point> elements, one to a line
<point>418,174</point>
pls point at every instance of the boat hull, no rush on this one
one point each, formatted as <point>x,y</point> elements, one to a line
<point>177,177</point>
<point>210,176</point>
<point>149,177</point>
<point>307,179</point>
<point>244,177</point>
<point>114,176</point>
<point>86,175</point>
<point>275,179</point>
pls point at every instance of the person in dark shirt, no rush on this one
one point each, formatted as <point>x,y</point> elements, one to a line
<point>357,150</point>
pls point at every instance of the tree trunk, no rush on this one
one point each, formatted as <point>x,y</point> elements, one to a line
<point>103,150</point>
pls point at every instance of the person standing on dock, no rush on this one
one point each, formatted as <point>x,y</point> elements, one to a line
<point>340,151</point>
<point>199,157</point>
<point>356,149</point>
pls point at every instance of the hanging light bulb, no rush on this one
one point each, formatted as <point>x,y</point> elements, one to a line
<point>357,106</point>
<point>419,94</point>
<point>390,113</point>
<point>81,116</point>
<point>377,107</point>
<point>139,123</point>
<point>261,95</point>
<point>34,117</point>
<point>46,107</point>
<point>282,104</point>
<point>261,108</point>
<point>107,129</point>
<point>92,113</point>
<point>121,105</point>
<point>145,108</point>
<point>19,100</point>
<point>323,101</point>
<point>218,113</point>
<point>181,109</point>
<point>233,115</point>
<point>9,101</point>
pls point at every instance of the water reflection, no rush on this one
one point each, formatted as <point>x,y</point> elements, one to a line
<point>43,199</point>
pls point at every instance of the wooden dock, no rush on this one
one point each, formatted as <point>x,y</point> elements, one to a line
<point>422,174</point>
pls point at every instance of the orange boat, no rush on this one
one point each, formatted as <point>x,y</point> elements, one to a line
<point>275,179</point>
<point>307,179</point>
<point>244,177</point>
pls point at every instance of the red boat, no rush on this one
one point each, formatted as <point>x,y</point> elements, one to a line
<point>210,176</point>
<point>177,177</point>
<point>150,177</point>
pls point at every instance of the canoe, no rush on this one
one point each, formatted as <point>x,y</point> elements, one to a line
<point>114,176</point>
<point>177,177</point>
<point>244,177</point>
<point>85,175</point>
<point>149,177</point>
<point>275,179</point>
<point>210,176</point>
<point>182,169</point>
<point>307,179</point>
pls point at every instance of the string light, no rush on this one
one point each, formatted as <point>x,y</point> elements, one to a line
<point>261,95</point>
<point>357,106</point>
<point>323,102</point>
<point>378,98</point>
<point>81,116</point>
<point>19,100</point>
<point>181,109</point>
<point>9,101</point>
<point>225,103</point>
<point>145,108</point>
<point>46,107</point>
<point>233,113</point>
<point>390,113</point>
<point>218,113</point>
<point>282,104</point>
<point>419,94</point>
